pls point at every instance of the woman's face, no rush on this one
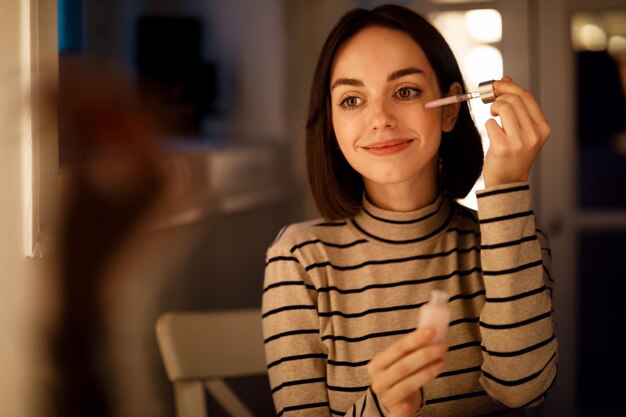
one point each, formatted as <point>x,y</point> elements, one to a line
<point>380,81</point>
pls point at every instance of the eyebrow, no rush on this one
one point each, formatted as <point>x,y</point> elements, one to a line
<point>393,76</point>
<point>404,72</point>
<point>347,81</point>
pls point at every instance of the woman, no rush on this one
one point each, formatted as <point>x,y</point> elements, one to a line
<point>342,295</point>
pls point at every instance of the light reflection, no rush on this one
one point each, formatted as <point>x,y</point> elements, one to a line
<point>483,63</point>
<point>592,37</point>
<point>617,47</point>
<point>484,25</point>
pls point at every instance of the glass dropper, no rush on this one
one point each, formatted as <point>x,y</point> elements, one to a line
<point>485,91</point>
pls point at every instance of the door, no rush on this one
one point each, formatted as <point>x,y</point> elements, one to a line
<point>583,193</point>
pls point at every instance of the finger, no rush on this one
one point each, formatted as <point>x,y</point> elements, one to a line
<point>533,135</point>
<point>506,85</point>
<point>408,365</point>
<point>402,409</point>
<point>408,386</point>
<point>417,360</point>
<point>510,122</point>
<point>529,135</point>
<point>521,111</point>
<point>495,133</point>
<point>400,348</point>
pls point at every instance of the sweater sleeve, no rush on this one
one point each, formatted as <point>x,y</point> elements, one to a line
<point>516,324</point>
<point>295,355</point>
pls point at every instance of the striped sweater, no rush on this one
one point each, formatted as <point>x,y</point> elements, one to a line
<point>338,293</point>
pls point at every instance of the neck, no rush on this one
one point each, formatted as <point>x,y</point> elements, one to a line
<point>405,196</point>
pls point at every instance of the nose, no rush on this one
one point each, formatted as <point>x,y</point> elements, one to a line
<point>382,115</point>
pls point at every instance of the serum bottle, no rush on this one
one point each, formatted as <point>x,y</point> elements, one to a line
<point>436,314</point>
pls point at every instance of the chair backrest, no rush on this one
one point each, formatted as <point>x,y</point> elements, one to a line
<point>200,349</point>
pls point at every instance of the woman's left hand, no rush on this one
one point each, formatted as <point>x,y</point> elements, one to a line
<point>516,144</point>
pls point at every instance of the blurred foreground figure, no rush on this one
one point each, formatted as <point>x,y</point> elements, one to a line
<point>115,181</point>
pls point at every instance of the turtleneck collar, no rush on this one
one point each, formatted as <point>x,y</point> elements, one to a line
<point>403,227</point>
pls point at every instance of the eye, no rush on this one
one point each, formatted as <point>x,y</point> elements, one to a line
<point>408,93</point>
<point>351,102</point>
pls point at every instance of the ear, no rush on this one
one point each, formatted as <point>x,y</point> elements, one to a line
<point>451,112</point>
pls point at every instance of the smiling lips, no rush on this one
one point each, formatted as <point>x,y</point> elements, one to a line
<point>388,147</point>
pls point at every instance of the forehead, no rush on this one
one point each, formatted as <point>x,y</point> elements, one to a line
<point>378,50</point>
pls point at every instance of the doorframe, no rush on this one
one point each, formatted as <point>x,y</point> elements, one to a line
<point>558,190</point>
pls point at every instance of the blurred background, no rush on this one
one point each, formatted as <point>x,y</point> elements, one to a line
<point>226,83</point>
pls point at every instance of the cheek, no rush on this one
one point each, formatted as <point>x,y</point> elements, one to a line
<point>427,125</point>
<point>347,130</point>
<point>427,120</point>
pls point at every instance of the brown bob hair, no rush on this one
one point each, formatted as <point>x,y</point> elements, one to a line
<point>337,188</point>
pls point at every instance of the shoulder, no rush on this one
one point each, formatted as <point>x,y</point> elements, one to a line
<point>466,212</point>
<point>466,217</point>
<point>293,235</point>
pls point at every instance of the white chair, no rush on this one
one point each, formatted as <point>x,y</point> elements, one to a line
<point>200,349</point>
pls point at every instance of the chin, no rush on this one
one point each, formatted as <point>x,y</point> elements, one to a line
<point>390,179</point>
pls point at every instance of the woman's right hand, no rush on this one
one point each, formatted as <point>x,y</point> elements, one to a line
<point>399,372</point>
